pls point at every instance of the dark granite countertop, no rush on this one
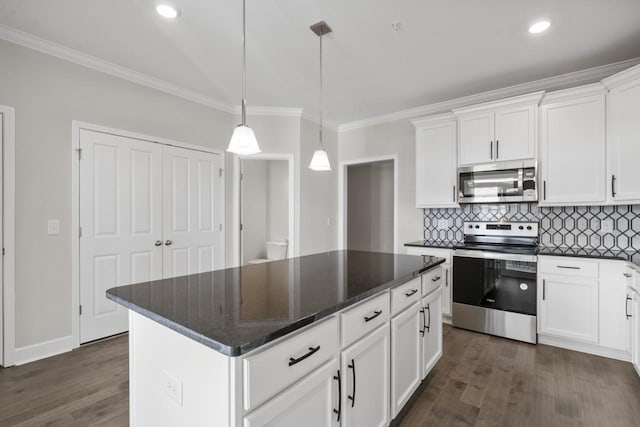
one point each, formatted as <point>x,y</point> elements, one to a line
<point>433,244</point>
<point>588,253</point>
<point>239,309</point>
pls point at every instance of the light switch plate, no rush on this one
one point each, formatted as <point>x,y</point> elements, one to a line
<point>172,387</point>
<point>53,227</point>
<point>606,226</point>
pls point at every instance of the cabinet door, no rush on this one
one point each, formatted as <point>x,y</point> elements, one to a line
<point>515,133</point>
<point>365,385</point>
<point>476,138</point>
<point>614,306</point>
<point>406,341</point>
<point>568,307</point>
<point>635,338</point>
<point>573,151</point>
<point>432,331</point>
<point>311,402</point>
<point>447,290</point>
<point>623,141</point>
<point>436,165</point>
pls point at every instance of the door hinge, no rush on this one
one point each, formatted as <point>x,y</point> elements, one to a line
<point>220,172</point>
<point>3,251</point>
<point>79,231</point>
<point>79,153</point>
<point>80,310</point>
<point>241,176</point>
<point>241,227</point>
<point>220,227</point>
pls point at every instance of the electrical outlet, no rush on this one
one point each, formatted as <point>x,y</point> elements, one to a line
<point>443,224</point>
<point>53,227</point>
<point>606,226</point>
<point>172,387</point>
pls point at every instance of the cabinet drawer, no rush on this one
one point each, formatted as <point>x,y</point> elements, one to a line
<point>432,280</point>
<point>440,253</point>
<point>568,266</point>
<point>364,318</point>
<point>268,372</point>
<point>405,295</point>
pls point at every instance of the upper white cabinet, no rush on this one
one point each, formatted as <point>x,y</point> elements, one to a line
<point>498,131</point>
<point>436,163</point>
<point>572,147</point>
<point>623,136</point>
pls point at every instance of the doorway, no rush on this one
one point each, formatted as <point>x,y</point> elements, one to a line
<point>369,204</point>
<point>147,210</point>
<point>266,208</point>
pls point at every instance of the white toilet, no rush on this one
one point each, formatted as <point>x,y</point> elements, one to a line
<point>275,250</point>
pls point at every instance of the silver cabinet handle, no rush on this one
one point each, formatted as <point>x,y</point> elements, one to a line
<point>544,190</point>
<point>446,277</point>
<point>158,243</point>
<point>613,186</point>
<point>569,267</point>
<point>491,149</point>
<point>497,149</point>
<point>168,243</point>
<point>626,306</point>
<point>544,289</point>
<point>454,194</point>
<point>435,279</point>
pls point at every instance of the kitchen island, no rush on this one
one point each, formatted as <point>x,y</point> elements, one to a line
<point>337,338</point>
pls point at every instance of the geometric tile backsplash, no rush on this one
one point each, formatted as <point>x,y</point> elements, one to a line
<point>565,227</point>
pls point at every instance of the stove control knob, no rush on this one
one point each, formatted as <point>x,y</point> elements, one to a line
<point>477,226</point>
<point>529,227</point>
<point>470,226</point>
<point>521,227</point>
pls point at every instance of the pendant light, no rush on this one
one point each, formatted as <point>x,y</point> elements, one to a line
<point>243,141</point>
<point>320,160</point>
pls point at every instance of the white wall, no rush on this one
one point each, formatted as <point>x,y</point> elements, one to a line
<point>254,209</point>
<point>397,138</point>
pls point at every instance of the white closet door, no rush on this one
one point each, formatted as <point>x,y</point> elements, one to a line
<point>121,222</point>
<point>192,223</point>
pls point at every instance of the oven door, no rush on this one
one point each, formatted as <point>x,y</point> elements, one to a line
<point>498,281</point>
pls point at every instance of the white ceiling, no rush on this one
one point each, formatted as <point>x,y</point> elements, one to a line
<point>445,48</point>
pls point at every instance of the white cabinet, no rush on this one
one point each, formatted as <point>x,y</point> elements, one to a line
<point>572,147</point>
<point>623,130</point>
<point>431,332</point>
<point>406,345</point>
<point>436,162</point>
<point>365,370</point>
<point>476,143</point>
<point>614,307</point>
<point>447,270</point>
<point>498,131</point>
<point>635,327</point>
<point>313,402</point>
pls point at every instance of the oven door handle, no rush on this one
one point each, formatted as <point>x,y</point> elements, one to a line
<point>466,253</point>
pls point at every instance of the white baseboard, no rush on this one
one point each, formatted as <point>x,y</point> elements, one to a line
<point>31,353</point>
<point>584,347</point>
<point>446,319</point>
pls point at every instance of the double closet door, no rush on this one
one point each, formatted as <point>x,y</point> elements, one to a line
<point>148,211</point>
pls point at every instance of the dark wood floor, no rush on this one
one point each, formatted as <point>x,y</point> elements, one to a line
<point>480,380</point>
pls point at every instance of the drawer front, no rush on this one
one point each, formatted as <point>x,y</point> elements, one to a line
<point>268,372</point>
<point>405,295</point>
<point>364,318</point>
<point>440,253</point>
<point>568,266</point>
<point>432,280</point>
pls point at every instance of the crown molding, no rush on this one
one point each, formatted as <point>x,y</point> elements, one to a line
<point>68,54</point>
<point>444,117</point>
<point>256,110</point>
<point>622,77</point>
<point>575,78</point>
<point>574,92</point>
<point>515,101</point>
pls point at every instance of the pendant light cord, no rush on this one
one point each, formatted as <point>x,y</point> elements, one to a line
<point>321,87</point>
<point>244,64</point>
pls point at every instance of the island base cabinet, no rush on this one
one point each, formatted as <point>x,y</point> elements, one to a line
<point>406,339</point>
<point>312,402</point>
<point>432,331</point>
<point>365,381</point>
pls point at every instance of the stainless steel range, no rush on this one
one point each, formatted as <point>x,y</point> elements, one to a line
<point>494,279</point>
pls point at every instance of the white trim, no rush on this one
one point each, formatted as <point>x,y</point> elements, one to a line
<point>68,54</point>
<point>514,101</point>
<point>342,197</point>
<point>42,350</point>
<point>445,117</point>
<point>622,77</point>
<point>574,93</point>
<point>292,250</point>
<point>575,78</point>
<point>7,335</point>
<point>76,126</point>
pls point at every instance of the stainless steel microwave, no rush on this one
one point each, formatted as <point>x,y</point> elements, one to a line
<point>504,182</point>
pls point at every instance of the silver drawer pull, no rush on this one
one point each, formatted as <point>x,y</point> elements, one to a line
<point>375,314</point>
<point>435,279</point>
<point>411,292</point>
<point>568,266</point>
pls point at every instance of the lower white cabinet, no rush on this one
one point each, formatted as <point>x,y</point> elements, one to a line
<point>431,331</point>
<point>447,268</point>
<point>568,307</point>
<point>406,344</point>
<point>635,327</point>
<point>312,402</point>
<point>365,381</point>
<point>614,307</point>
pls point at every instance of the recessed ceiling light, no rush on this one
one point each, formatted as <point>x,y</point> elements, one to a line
<point>167,11</point>
<point>539,27</point>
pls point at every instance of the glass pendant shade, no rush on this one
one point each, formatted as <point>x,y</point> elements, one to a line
<point>243,141</point>
<point>320,161</point>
